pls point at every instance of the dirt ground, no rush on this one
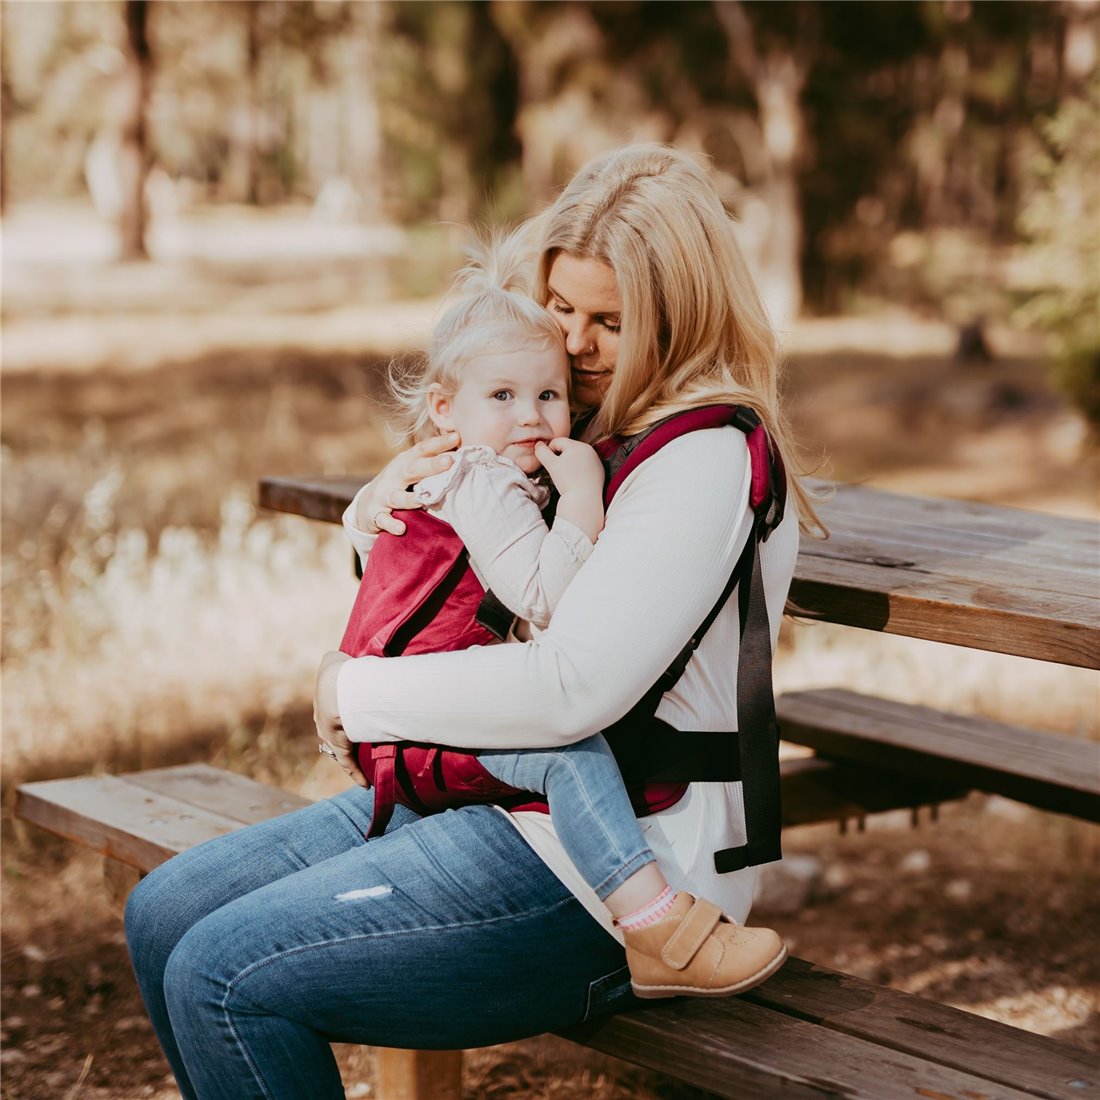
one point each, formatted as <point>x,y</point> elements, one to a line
<point>993,908</point>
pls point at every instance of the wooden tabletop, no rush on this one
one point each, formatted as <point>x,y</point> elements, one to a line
<point>977,575</point>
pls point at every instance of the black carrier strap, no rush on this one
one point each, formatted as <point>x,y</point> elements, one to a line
<point>494,615</point>
<point>649,750</point>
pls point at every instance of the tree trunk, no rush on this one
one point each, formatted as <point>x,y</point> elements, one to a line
<point>133,92</point>
<point>363,119</point>
<point>777,92</point>
<point>241,182</point>
<point>776,81</point>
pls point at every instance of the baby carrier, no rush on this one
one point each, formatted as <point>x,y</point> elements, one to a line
<point>407,606</point>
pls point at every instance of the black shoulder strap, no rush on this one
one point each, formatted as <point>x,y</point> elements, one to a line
<point>757,766</point>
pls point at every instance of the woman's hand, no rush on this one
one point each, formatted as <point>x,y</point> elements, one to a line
<point>326,717</point>
<point>390,489</point>
<point>578,475</point>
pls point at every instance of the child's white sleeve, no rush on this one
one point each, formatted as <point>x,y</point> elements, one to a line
<point>362,541</point>
<point>492,505</point>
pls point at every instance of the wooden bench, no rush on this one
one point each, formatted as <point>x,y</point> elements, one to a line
<point>807,1032</point>
<point>975,575</point>
<point>1047,770</point>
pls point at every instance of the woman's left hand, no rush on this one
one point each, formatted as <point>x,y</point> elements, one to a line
<point>326,716</point>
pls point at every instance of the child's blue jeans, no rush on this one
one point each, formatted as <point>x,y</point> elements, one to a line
<point>589,806</point>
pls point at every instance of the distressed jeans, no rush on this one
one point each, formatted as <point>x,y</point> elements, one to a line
<point>589,806</point>
<point>256,950</point>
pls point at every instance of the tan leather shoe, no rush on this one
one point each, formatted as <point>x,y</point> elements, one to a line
<point>696,951</point>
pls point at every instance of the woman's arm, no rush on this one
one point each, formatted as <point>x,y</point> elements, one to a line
<point>370,511</point>
<point>670,542</point>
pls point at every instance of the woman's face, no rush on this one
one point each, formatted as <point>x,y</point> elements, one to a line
<point>585,300</point>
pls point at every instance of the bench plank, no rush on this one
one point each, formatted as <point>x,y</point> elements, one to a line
<point>744,1051</point>
<point>219,792</point>
<point>1048,770</point>
<point>143,818</point>
<point>118,818</point>
<point>952,1037</point>
<point>978,575</point>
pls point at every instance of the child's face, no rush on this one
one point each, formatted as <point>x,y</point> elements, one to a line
<point>509,400</point>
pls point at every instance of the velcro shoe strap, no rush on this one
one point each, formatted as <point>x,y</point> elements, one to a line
<point>701,920</point>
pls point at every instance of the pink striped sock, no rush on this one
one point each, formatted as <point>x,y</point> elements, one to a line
<point>650,913</point>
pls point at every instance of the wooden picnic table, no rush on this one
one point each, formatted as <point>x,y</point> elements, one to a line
<point>982,576</point>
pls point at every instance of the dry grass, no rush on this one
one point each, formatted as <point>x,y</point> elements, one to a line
<point>150,615</point>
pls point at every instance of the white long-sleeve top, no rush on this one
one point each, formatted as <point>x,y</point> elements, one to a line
<point>496,510</point>
<point>672,537</point>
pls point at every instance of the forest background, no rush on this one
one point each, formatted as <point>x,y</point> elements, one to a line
<point>222,219</point>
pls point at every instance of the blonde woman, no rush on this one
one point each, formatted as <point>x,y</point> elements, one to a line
<point>257,950</point>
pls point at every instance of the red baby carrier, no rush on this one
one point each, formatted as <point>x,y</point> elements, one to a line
<point>433,602</point>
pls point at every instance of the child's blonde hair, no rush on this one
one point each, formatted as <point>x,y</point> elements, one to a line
<point>492,311</point>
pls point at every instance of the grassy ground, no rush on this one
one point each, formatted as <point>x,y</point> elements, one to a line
<point>151,615</point>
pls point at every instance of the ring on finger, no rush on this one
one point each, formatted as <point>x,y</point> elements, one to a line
<point>328,750</point>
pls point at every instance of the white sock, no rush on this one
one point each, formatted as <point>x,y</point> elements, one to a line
<point>650,913</point>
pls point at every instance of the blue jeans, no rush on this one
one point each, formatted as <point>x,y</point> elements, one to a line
<point>589,806</point>
<point>256,950</point>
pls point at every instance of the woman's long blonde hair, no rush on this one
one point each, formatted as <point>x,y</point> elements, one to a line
<point>694,330</point>
<point>490,310</point>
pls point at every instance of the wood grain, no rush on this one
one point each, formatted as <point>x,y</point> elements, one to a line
<point>977,575</point>
<point>1047,770</point>
<point>746,1051</point>
<point>118,818</point>
<point>419,1074</point>
<point>220,792</point>
<point>996,1051</point>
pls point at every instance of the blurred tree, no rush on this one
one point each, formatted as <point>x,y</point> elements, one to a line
<point>132,96</point>
<point>1061,218</point>
<point>918,113</point>
<point>862,144</point>
<point>364,139</point>
<point>774,61</point>
<point>449,111</point>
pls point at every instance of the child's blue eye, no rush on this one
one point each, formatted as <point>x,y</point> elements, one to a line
<point>549,395</point>
<point>501,395</point>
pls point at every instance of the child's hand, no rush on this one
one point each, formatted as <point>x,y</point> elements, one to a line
<point>572,465</point>
<point>578,474</point>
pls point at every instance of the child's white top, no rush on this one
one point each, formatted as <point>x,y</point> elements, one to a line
<point>496,509</point>
<point>672,537</point>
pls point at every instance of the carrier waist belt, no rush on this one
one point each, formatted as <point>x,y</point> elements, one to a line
<point>659,753</point>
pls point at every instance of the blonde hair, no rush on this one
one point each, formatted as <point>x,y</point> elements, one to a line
<point>694,330</point>
<point>492,311</point>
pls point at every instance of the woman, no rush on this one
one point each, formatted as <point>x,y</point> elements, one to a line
<point>257,950</point>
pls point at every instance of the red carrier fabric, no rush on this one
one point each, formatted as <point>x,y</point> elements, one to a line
<point>420,595</point>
